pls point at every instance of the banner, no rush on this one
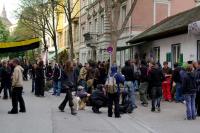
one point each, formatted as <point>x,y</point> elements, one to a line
<point>6,47</point>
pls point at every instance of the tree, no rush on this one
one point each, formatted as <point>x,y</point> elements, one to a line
<point>112,11</point>
<point>39,16</point>
<point>4,33</point>
<point>69,9</point>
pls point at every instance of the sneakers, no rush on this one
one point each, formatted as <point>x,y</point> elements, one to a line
<point>153,109</point>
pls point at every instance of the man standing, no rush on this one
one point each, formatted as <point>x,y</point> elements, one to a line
<point>6,79</point>
<point>17,84</point>
<point>143,84</point>
<point>57,80</point>
<point>197,79</point>
<point>156,77</point>
<point>128,72</point>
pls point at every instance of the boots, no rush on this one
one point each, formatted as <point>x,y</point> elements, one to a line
<point>73,112</point>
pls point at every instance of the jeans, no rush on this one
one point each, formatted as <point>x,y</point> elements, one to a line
<point>17,97</point>
<point>113,98</point>
<point>135,85</point>
<point>156,93</point>
<point>198,103</point>
<point>143,92</point>
<point>57,87</point>
<point>128,85</point>
<point>33,85</point>
<point>179,96</point>
<point>190,106</point>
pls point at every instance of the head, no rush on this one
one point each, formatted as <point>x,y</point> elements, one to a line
<point>68,67</point>
<point>165,64</point>
<point>127,63</point>
<point>189,69</point>
<point>41,64</point>
<point>15,62</point>
<point>152,64</point>
<point>176,65</point>
<point>4,63</point>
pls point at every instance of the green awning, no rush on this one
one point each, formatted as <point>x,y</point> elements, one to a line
<point>52,55</point>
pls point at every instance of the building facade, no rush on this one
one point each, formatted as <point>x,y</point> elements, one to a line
<point>93,22</point>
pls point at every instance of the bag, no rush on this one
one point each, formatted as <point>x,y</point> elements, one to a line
<point>111,85</point>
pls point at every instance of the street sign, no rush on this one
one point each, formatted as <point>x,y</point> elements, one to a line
<point>110,50</point>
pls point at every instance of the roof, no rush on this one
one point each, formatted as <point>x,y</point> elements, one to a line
<point>174,25</point>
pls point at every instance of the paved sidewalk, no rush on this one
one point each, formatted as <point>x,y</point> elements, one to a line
<point>43,117</point>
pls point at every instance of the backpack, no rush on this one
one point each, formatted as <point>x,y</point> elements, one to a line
<point>111,84</point>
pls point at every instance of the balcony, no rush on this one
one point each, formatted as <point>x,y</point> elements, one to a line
<point>91,39</point>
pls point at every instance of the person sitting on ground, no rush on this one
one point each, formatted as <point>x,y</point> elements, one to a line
<point>98,99</point>
<point>83,95</point>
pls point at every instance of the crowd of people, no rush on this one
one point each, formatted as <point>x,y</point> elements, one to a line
<point>98,84</point>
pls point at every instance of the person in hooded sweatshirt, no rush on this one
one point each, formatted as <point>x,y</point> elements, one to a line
<point>114,97</point>
<point>17,88</point>
<point>189,93</point>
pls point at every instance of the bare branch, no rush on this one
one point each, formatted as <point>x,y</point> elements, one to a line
<point>127,17</point>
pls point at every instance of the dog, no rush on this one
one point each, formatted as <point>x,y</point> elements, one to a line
<point>76,101</point>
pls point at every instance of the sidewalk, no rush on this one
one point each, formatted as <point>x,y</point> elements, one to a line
<point>43,117</point>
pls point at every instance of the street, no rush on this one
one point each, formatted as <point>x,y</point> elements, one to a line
<point>43,116</point>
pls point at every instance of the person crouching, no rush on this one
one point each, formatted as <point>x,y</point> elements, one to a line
<point>98,98</point>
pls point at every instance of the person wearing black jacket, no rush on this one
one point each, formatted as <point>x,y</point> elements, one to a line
<point>57,73</point>
<point>189,93</point>
<point>177,79</point>
<point>143,84</point>
<point>156,78</point>
<point>68,80</point>
<point>128,72</point>
<point>98,99</point>
<point>6,79</point>
<point>197,79</point>
<point>39,80</point>
<point>33,77</point>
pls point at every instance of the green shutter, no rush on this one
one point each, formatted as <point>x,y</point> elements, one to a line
<point>181,59</point>
<point>168,57</point>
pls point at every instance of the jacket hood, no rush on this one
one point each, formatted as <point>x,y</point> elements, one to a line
<point>113,70</point>
<point>19,67</point>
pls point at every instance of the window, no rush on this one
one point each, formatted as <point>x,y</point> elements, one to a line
<point>176,53</point>
<point>76,32</point>
<point>156,52</point>
<point>102,24</point>
<point>90,27</point>
<point>95,26</point>
<point>123,12</point>
<point>82,33</point>
<point>198,50</point>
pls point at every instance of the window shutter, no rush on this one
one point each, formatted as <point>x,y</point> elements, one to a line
<point>168,57</point>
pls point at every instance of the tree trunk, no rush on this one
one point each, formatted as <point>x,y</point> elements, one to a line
<point>70,31</point>
<point>114,46</point>
<point>71,42</point>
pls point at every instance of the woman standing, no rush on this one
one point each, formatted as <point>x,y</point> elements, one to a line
<point>68,82</point>
<point>39,80</point>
